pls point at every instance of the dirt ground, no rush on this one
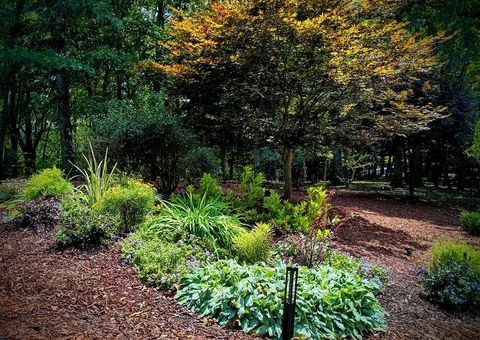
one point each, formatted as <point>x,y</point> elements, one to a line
<point>47,294</point>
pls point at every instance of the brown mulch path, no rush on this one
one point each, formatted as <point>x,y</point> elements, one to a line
<point>379,230</point>
<point>47,294</point>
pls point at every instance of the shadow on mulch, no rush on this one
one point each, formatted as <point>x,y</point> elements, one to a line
<point>362,237</point>
<point>445,217</point>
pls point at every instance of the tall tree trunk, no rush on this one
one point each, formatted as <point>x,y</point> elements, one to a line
<point>223,162</point>
<point>397,172</point>
<point>66,126</point>
<point>382,164</point>
<point>416,166</point>
<point>338,171</point>
<point>287,155</point>
<point>3,133</point>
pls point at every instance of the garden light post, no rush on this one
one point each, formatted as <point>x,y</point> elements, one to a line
<point>289,301</point>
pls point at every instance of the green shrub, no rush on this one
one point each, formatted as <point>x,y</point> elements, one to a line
<point>331,303</point>
<point>10,189</point>
<point>452,279</point>
<point>447,252</point>
<point>209,187</point>
<point>81,226</point>
<point>47,183</point>
<point>250,189</point>
<point>255,245</point>
<point>203,218</point>
<point>288,217</point>
<point>131,201</point>
<point>161,263</point>
<point>470,222</point>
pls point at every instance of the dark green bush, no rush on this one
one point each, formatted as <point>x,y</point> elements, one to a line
<point>131,201</point>
<point>83,227</point>
<point>452,280</point>
<point>48,183</point>
<point>470,222</point>
<point>332,303</point>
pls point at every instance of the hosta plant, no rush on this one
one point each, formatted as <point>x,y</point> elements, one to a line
<point>332,303</point>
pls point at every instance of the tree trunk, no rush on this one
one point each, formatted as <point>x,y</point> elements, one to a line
<point>3,133</point>
<point>223,163</point>
<point>338,172</point>
<point>66,126</point>
<point>287,161</point>
<point>416,165</point>
<point>397,172</point>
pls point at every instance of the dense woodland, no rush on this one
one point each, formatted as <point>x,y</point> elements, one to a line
<point>171,101</point>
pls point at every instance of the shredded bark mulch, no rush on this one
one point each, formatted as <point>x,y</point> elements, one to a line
<point>46,293</point>
<point>397,235</point>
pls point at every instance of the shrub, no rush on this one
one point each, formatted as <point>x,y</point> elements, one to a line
<point>470,222</point>
<point>255,245</point>
<point>160,263</point>
<point>209,187</point>
<point>131,202</point>
<point>250,189</point>
<point>10,189</point>
<point>204,218</point>
<point>81,226</point>
<point>48,183</point>
<point>452,280</point>
<point>331,303</point>
<point>289,217</point>
<point>447,252</point>
<point>97,177</point>
<point>43,213</point>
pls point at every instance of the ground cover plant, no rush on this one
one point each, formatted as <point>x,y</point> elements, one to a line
<point>452,279</point>
<point>332,302</point>
<point>470,222</point>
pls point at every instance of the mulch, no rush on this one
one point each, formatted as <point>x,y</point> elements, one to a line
<point>50,294</point>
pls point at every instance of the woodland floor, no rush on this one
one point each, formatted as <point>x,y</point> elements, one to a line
<point>74,294</point>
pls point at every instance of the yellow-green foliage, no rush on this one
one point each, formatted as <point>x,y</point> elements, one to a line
<point>48,183</point>
<point>254,246</point>
<point>131,201</point>
<point>448,252</point>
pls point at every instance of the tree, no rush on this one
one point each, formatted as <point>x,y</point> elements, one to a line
<point>295,68</point>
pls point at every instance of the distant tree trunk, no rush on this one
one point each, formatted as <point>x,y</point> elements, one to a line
<point>382,164</point>
<point>287,155</point>
<point>461,173</point>
<point>445,169</point>
<point>62,87</point>
<point>338,171</point>
<point>66,126</point>
<point>3,132</point>
<point>416,166</point>
<point>388,172</point>
<point>223,163</point>
<point>397,173</point>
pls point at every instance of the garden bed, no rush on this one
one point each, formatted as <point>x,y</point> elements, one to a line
<point>73,294</point>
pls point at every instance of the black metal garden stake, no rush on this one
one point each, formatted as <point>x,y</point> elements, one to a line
<point>289,301</point>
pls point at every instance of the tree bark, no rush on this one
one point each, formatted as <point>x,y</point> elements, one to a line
<point>338,171</point>
<point>287,155</point>
<point>66,126</point>
<point>397,171</point>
